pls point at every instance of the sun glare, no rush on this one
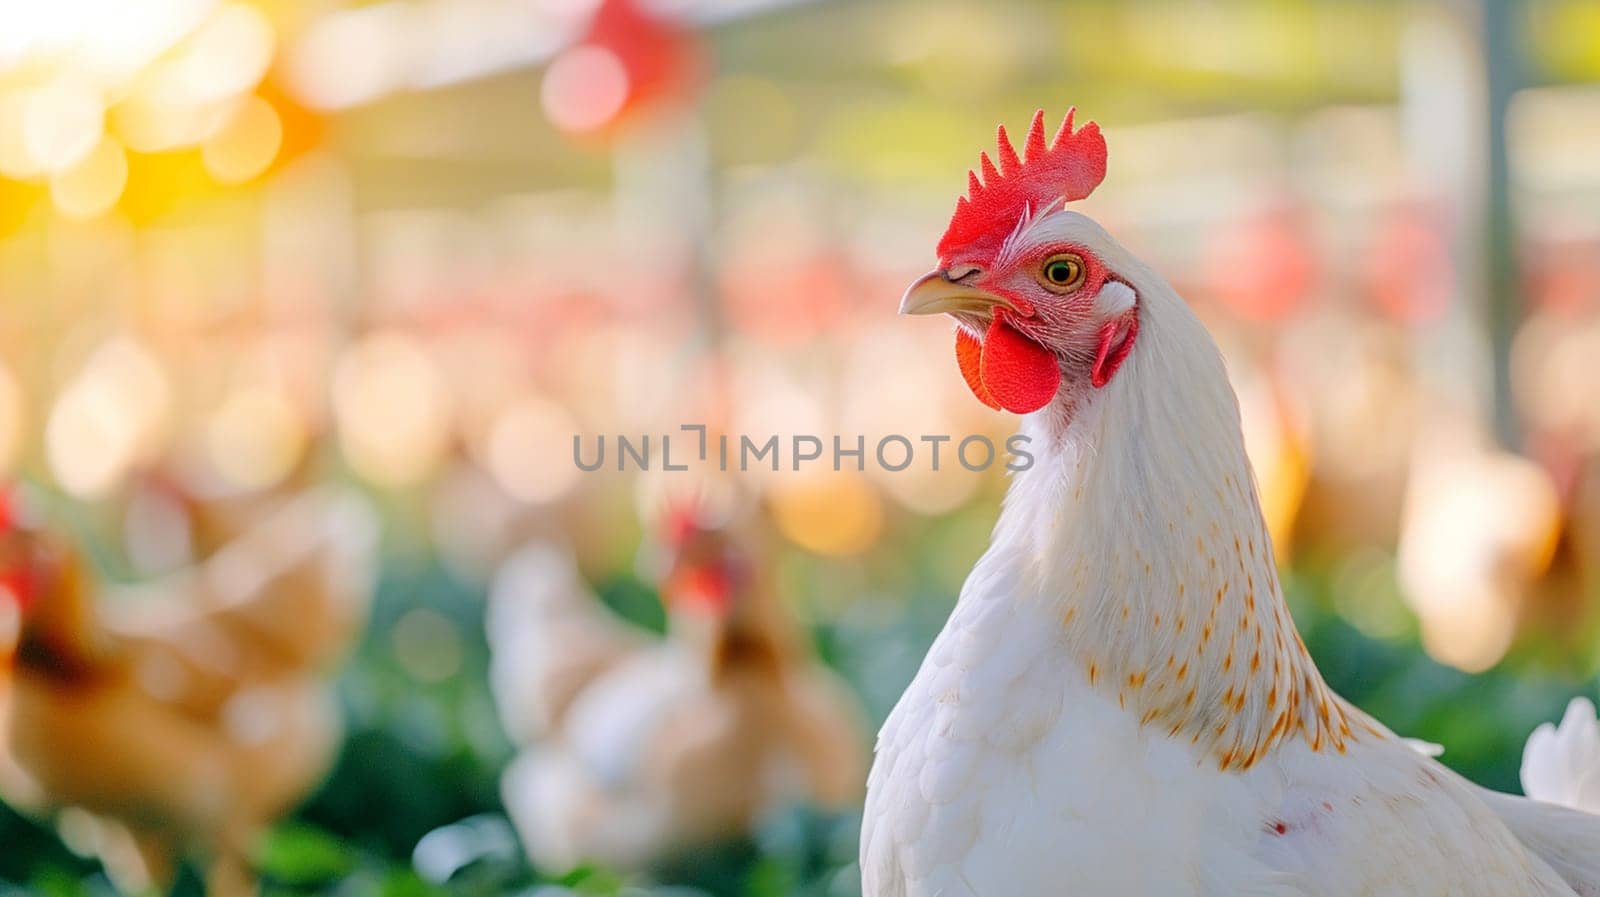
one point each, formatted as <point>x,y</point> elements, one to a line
<point>81,80</point>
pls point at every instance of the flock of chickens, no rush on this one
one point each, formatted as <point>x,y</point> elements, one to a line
<point>175,721</point>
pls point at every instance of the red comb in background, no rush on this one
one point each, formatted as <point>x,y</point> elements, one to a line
<point>16,580</point>
<point>17,584</point>
<point>1068,168</point>
<point>705,569</point>
<point>689,509</point>
<point>679,523</point>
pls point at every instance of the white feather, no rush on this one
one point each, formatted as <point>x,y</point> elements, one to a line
<point>1114,299</point>
<point>1561,764</point>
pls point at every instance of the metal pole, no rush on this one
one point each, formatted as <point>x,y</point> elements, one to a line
<point>1500,21</point>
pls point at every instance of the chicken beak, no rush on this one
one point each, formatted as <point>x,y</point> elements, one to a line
<point>934,293</point>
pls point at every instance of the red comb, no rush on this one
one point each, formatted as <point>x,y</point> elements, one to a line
<point>1067,169</point>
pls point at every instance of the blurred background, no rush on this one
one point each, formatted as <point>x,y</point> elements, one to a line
<point>377,264</point>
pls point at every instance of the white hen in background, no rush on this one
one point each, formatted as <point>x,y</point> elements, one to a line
<point>637,748</point>
<point>550,637</point>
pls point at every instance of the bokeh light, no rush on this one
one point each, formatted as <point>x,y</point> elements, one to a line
<point>427,645</point>
<point>61,124</point>
<point>243,147</point>
<point>831,513</point>
<point>111,417</point>
<point>91,185</point>
<point>1477,532</point>
<point>393,409</point>
<point>584,89</point>
<point>256,437</point>
<point>530,449</point>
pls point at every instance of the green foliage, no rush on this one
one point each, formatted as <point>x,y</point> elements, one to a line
<point>298,855</point>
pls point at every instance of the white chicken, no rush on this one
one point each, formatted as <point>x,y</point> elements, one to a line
<point>549,638</point>
<point>1119,703</point>
<point>680,743</point>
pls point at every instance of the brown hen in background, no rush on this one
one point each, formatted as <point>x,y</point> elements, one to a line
<point>185,715</point>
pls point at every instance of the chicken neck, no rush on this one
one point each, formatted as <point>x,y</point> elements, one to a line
<point>1140,518</point>
<point>59,636</point>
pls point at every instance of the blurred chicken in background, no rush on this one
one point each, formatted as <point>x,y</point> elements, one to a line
<point>17,789</point>
<point>1480,530</point>
<point>1583,536</point>
<point>635,749</point>
<point>1353,379</point>
<point>551,638</point>
<point>1556,360</point>
<point>185,715</point>
<point>176,515</point>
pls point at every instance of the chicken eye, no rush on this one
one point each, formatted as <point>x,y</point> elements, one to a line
<point>1062,273</point>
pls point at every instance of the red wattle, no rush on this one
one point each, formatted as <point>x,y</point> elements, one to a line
<point>1021,375</point>
<point>969,355</point>
<point>1115,342</point>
